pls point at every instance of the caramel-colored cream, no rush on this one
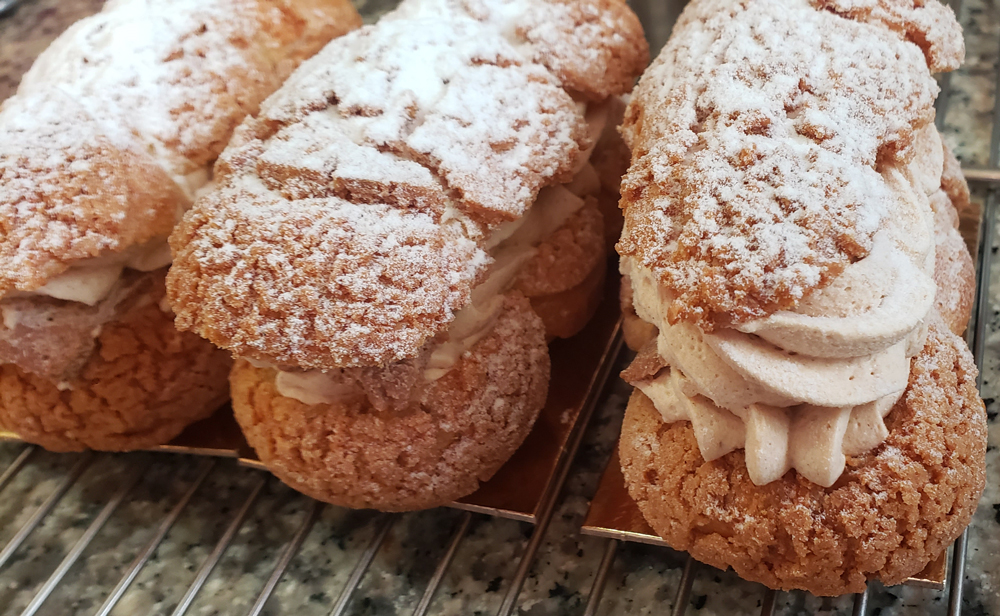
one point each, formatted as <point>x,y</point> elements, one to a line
<point>803,389</point>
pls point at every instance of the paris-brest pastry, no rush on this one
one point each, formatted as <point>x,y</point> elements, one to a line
<point>804,410</point>
<point>396,234</point>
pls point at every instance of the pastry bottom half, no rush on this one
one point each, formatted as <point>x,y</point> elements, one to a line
<point>893,510</point>
<point>567,312</point>
<point>565,279</point>
<point>142,385</point>
<point>455,434</point>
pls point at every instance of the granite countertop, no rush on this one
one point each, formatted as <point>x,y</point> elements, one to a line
<point>643,579</point>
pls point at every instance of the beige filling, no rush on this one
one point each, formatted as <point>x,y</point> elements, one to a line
<point>811,439</point>
<point>801,390</point>
<point>90,280</point>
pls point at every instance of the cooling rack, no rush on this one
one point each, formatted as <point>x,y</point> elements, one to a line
<point>170,534</point>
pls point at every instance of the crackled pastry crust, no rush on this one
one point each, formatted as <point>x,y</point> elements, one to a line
<point>144,382</point>
<point>954,274</point>
<point>953,181</point>
<point>64,198</point>
<point>715,178</point>
<point>954,271</point>
<point>567,257</point>
<point>566,313</point>
<point>614,49</point>
<point>83,173</point>
<point>595,48</point>
<point>893,510</point>
<point>339,144</point>
<point>110,133</point>
<point>458,432</point>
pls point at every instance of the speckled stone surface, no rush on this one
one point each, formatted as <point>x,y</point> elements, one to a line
<point>29,29</point>
<point>643,579</point>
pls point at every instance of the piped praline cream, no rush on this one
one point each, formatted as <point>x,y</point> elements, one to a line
<point>803,389</point>
<point>89,281</point>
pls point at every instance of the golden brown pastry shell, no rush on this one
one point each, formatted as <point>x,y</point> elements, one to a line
<point>456,434</point>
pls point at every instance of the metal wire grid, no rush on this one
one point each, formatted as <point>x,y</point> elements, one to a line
<point>383,523</point>
<point>8,5</point>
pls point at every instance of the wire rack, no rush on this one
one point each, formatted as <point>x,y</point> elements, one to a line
<point>184,530</point>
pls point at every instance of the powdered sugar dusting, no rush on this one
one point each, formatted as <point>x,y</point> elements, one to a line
<point>448,95</point>
<point>498,135</point>
<point>759,137</point>
<point>116,124</point>
<point>393,153</point>
<point>593,47</point>
<point>71,190</point>
<point>271,257</point>
<point>929,25</point>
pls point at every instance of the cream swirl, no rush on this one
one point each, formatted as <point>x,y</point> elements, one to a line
<point>802,389</point>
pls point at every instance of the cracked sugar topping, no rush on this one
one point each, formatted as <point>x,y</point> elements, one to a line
<point>434,127</point>
<point>763,140</point>
<point>116,123</point>
<point>133,56</point>
<point>595,48</point>
<point>441,111</point>
<point>71,190</point>
<point>181,74</point>
<point>325,271</point>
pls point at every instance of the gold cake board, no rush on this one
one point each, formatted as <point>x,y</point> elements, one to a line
<point>580,367</point>
<point>614,515</point>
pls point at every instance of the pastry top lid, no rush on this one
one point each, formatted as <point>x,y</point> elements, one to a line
<point>181,74</point>
<point>594,48</point>
<point>404,145</point>
<point>761,140</point>
<point>115,124</point>
<point>71,189</point>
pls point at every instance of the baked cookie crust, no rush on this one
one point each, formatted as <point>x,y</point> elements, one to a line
<point>393,187</point>
<point>954,271</point>
<point>565,278</point>
<point>715,180</point>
